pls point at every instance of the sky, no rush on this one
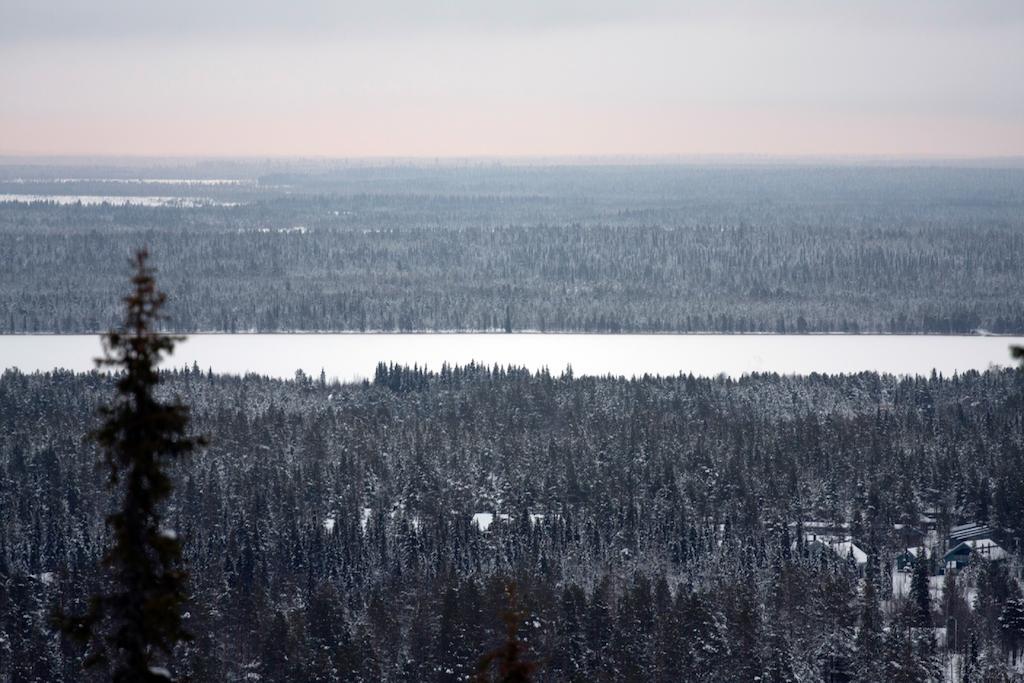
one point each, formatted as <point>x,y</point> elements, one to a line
<point>415,78</point>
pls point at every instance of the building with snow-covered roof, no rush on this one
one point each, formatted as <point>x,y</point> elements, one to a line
<point>967,532</point>
<point>962,554</point>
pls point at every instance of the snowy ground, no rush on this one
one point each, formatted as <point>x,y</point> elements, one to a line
<point>901,585</point>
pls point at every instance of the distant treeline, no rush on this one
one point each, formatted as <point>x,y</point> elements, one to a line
<point>606,249</point>
<point>649,523</point>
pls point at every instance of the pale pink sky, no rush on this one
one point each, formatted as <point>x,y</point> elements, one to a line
<point>902,77</point>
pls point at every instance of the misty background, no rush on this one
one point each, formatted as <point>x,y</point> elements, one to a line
<point>401,78</point>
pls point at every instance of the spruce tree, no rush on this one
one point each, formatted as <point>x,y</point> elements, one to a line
<point>507,662</point>
<point>920,593</point>
<point>869,635</point>
<point>134,625</point>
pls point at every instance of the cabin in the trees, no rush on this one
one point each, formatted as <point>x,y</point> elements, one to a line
<point>963,553</point>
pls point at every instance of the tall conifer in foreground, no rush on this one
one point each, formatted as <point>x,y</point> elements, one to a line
<point>507,663</point>
<point>134,625</point>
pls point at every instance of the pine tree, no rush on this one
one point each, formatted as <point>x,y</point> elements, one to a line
<point>902,664</point>
<point>134,627</point>
<point>869,636</point>
<point>571,656</point>
<point>1011,622</point>
<point>779,659</point>
<point>704,635</point>
<point>599,624</point>
<point>927,652</point>
<point>507,661</point>
<point>745,629</point>
<point>919,593</point>
<point>969,666</point>
<point>275,648</point>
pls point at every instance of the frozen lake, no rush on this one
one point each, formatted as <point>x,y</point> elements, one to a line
<point>112,200</point>
<point>354,356</point>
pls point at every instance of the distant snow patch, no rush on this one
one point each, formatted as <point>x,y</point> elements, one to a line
<point>483,520</point>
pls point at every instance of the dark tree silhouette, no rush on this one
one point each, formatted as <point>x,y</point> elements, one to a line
<point>920,593</point>
<point>508,658</point>
<point>134,626</point>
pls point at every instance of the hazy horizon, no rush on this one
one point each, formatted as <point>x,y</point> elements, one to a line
<point>123,161</point>
<point>906,79</point>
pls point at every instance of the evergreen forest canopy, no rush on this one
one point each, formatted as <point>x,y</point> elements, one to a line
<point>403,247</point>
<point>652,525</point>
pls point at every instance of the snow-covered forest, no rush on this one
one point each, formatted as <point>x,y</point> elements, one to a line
<point>680,248</point>
<point>658,529</point>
